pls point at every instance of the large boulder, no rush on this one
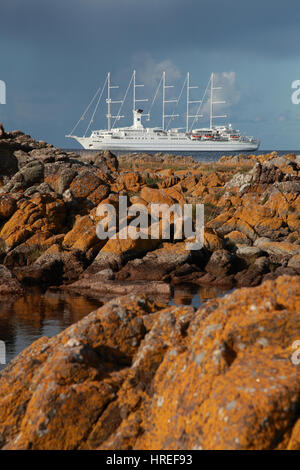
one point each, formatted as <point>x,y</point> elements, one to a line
<point>157,264</point>
<point>220,263</point>
<point>266,174</point>
<point>83,235</point>
<point>7,206</point>
<point>30,174</point>
<point>8,162</point>
<point>279,250</point>
<point>42,214</point>
<point>59,177</point>
<point>84,184</point>
<point>9,285</point>
<point>156,196</point>
<point>294,263</point>
<point>52,268</point>
<point>106,161</point>
<point>136,375</point>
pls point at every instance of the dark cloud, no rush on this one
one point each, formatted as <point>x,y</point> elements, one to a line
<point>54,53</point>
<point>257,26</point>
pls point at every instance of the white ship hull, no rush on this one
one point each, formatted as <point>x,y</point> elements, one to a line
<point>137,138</point>
<point>187,146</point>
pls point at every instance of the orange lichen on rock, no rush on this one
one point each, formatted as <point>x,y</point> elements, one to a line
<point>42,213</point>
<point>156,196</point>
<point>135,375</point>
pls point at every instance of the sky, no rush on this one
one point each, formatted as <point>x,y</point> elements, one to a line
<point>55,54</point>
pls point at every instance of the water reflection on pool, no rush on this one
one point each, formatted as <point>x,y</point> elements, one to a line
<point>28,318</point>
<point>25,319</point>
<point>195,295</point>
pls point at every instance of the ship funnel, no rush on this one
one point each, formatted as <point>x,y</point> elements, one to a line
<point>137,119</point>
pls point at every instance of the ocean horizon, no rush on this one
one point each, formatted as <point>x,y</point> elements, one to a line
<point>198,156</point>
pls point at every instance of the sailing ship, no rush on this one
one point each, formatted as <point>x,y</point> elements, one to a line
<point>157,139</point>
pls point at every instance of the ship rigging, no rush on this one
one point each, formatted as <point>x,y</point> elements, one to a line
<point>140,138</point>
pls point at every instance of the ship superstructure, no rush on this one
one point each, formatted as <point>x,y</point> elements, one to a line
<point>158,139</point>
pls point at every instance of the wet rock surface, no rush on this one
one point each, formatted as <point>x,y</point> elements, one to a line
<point>135,374</point>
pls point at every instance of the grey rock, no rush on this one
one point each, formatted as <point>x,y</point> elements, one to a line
<point>249,251</point>
<point>294,263</point>
<point>33,173</point>
<point>240,180</point>
<point>9,285</point>
<point>220,263</point>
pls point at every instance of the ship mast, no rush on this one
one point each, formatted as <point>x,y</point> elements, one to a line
<point>164,101</point>
<point>188,102</point>
<point>134,93</point>
<point>212,102</point>
<point>109,102</point>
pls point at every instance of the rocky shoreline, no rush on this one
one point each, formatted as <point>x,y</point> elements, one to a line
<point>147,374</point>
<point>48,202</point>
